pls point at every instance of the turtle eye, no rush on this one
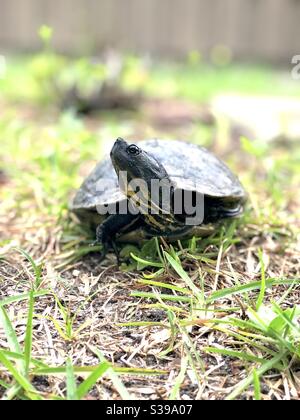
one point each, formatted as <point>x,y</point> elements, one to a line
<point>133,150</point>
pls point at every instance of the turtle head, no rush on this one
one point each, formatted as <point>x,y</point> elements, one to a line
<point>141,177</point>
<point>137,163</point>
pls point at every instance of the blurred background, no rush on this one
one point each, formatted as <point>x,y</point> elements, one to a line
<point>252,30</point>
<point>226,46</point>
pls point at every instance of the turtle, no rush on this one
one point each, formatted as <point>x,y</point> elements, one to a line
<point>140,190</point>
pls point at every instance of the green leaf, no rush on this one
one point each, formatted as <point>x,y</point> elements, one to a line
<point>145,263</point>
<point>290,316</point>
<point>150,250</point>
<point>127,250</point>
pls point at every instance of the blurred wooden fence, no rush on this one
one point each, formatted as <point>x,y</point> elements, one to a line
<point>259,29</point>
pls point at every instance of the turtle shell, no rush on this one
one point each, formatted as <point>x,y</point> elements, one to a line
<point>190,167</point>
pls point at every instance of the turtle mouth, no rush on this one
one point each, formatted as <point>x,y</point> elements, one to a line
<point>119,146</point>
<point>118,154</point>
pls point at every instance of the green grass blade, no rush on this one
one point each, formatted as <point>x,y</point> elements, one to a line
<point>253,340</point>
<point>233,353</point>
<point>146,262</point>
<point>256,384</point>
<point>59,329</point>
<point>11,337</point>
<point>161,296</point>
<point>24,296</point>
<point>4,384</point>
<point>165,286</point>
<point>89,369</point>
<point>174,329</point>
<point>262,291</point>
<point>114,377</point>
<point>154,274</point>
<point>18,356</point>
<point>10,333</point>
<point>192,352</point>
<point>91,380</point>
<point>28,336</point>
<point>244,288</point>
<point>12,392</point>
<point>180,271</point>
<point>36,268</point>
<point>174,395</point>
<point>244,384</point>
<point>142,324</point>
<point>19,378</point>
<point>285,294</point>
<point>71,382</point>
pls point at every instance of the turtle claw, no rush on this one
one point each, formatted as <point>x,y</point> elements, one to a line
<point>95,243</point>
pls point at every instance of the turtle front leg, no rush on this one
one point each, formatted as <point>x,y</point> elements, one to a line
<point>106,232</point>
